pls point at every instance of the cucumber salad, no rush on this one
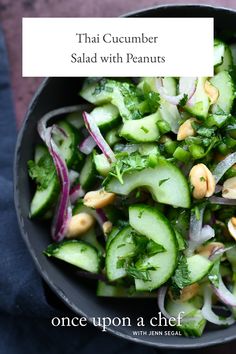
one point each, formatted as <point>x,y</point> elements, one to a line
<point>138,185</point>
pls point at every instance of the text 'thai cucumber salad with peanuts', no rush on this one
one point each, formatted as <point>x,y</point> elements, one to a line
<point>138,184</point>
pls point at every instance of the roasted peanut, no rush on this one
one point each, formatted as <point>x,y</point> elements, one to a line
<point>232,227</point>
<point>186,129</point>
<point>229,188</point>
<point>211,91</point>
<point>202,181</point>
<point>107,226</point>
<point>79,224</point>
<point>189,292</point>
<point>98,199</point>
<point>208,249</point>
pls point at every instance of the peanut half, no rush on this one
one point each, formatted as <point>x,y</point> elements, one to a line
<point>211,91</point>
<point>232,227</point>
<point>208,249</point>
<point>229,188</point>
<point>79,224</point>
<point>189,292</point>
<point>186,129</point>
<point>98,199</point>
<point>202,180</point>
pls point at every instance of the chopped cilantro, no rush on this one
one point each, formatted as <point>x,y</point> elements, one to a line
<point>181,278</point>
<point>163,181</point>
<point>144,129</point>
<point>126,163</point>
<point>121,245</point>
<point>183,100</point>
<point>120,263</point>
<point>154,248</point>
<point>42,172</point>
<point>138,274</point>
<point>140,214</point>
<point>138,102</point>
<point>214,274</point>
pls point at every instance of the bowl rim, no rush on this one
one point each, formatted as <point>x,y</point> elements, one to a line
<point>43,273</point>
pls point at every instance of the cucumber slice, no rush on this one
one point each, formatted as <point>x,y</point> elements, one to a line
<point>193,322</point>
<point>90,237</point>
<point>120,247</point>
<point>199,104</point>
<point>224,83</point>
<point>154,225</point>
<point>91,93</point>
<point>106,92</point>
<point>170,114</point>
<point>113,137</point>
<point>102,165</point>
<point>227,61</point>
<point>87,174</point>
<point>147,149</point>
<point>166,183</point>
<point>40,151</point>
<point>68,146</point>
<point>141,130</point>
<point>75,252</point>
<point>44,199</point>
<point>198,267</point>
<point>106,116</point>
<point>115,230</point>
<point>170,85</point>
<point>108,290</point>
<point>219,50</point>
<point>75,119</point>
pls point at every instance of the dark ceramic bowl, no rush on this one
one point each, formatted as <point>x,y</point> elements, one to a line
<point>77,293</point>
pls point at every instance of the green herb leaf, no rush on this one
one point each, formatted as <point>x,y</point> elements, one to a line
<point>163,181</point>
<point>126,163</point>
<point>154,248</point>
<point>181,277</point>
<point>138,274</point>
<point>214,274</point>
<point>183,100</point>
<point>42,172</point>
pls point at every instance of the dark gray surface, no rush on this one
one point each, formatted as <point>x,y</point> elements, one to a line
<point>79,295</point>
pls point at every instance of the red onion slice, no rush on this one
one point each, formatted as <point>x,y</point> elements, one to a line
<point>224,294</point>
<point>223,166</point>
<point>87,145</point>
<point>218,188</point>
<point>63,210</point>
<point>187,86</point>
<point>222,201</point>
<point>218,251</point>
<point>73,175</point>
<point>161,295</point>
<point>198,234</point>
<point>76,192</point>
<point>206,233</point>
<point>100,216</point>
<point>209,315</point>
<point>97,136</point>
<point>42,124</point>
